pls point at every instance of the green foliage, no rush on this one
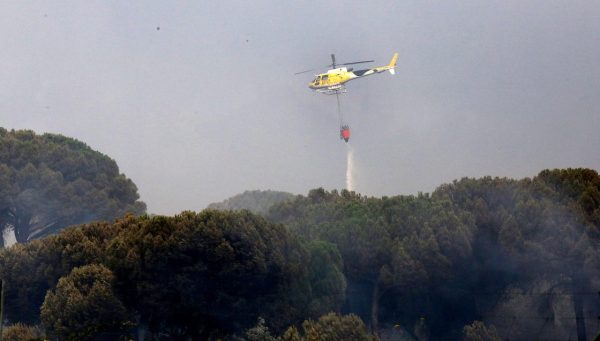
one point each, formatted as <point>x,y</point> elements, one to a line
<point>48,182</point>
<point>531,220</point>
<point>22,332</point>
<point>373,232</point>
<point>83,306</point>
<point>326,278</point>
<point>432,263</point>
<point>477,331</point>
<point>330,327</point>
<point>260,332</point>
<point>580,186</point>
<point>398,245</point>
<point>258,202</point>
<point>192,275</point>
<point>198,274</point>
<point>29,270</point>
<point>424,255</point>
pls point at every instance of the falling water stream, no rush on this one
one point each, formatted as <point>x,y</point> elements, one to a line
<point>349,167</point>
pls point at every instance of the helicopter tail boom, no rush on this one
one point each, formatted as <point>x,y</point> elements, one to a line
<point>390,67</point>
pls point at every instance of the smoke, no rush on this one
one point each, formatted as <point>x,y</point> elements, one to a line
<point>8,236</point>
<point>349,167</point>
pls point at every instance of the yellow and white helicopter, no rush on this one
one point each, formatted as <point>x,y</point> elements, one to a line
<point>332,82</point>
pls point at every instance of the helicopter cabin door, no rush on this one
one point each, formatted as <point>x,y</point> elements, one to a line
<point>334,79</point>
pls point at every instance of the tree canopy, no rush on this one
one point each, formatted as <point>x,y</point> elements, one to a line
<point>48,182</point>
<point>464,251</point>
<point>330,327</point>
<point>195,275</point>
<point>83,305</point>
<point>484,258</point>
<point>258,202</point>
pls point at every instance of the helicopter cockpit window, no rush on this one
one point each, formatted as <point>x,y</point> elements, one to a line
<point>325,77</point>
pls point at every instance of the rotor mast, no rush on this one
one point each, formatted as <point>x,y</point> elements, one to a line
<point>335,65</point>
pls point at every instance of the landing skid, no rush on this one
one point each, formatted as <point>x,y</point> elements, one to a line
<point>335,91</point>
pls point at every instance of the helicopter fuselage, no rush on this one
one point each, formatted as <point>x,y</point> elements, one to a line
<point>334,79</point>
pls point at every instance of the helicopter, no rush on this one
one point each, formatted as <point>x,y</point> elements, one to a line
<point>332,82</point>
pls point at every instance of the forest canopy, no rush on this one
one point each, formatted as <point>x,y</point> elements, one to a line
<point>49,181</point>
<point>257,201</point>
<point>521,254</point>
<point>486,258</point>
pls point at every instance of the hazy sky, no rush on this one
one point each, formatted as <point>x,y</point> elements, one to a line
<point>197,100</point>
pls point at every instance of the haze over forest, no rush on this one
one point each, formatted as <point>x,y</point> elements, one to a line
<point>476,259</point>
<point>198,102</point>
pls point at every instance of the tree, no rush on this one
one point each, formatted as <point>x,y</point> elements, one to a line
<point>328,284</point>
<point>477,331</point>
<point>199,275</point>
<point>260,332</point>
<point>48,182</point>
<point>540,230</point>
<point>22,332</point>
<point>30,269</point>
<point>258,202</point>
<point>83,306</point>
<point>389,246</point>
<point>330,327</point>
<point>195,275</point>
<point>578,189</point>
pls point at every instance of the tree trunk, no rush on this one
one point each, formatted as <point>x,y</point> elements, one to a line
<point>579,285</point>
<point>2,229</point>
<point>375,309</point>
<point>22,226</point>
<point>141,332</point>
<point>579,318</point>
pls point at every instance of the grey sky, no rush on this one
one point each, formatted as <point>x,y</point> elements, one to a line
<point>207,106</point>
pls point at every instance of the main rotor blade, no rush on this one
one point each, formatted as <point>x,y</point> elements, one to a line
<point>297,73</point>
<point>364,61</point>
